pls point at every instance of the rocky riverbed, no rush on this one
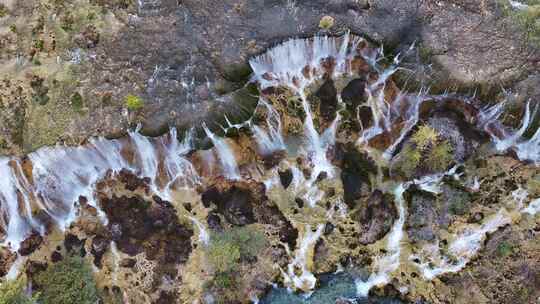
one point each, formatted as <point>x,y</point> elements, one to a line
<point>270,151</point>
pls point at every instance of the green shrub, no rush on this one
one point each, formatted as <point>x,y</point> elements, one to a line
<point>77,101</point>
<point>426,144</point>
<point>133,102</point>
<point>232,246</point>
<point>527,19</point>
<point>224,280</point>
<point>3,10</point>
<point>13,292</point>
<point>326,22</point>
<point>69,281</point>
<point>223,255</point>
<point>425,137</point>
<point>505,249</point>
<point>440,156</point>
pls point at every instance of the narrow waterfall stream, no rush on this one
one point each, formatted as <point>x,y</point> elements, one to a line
<point>339,213</point>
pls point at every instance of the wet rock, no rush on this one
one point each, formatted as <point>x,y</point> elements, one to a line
<point>72,242</point>
<point>131,181</point>
<point>30,244</point>
<point>286,177</point>
<point>455,200</point>
<point>128,263</point>
<point>327,95</point>
<point>35,267</point>
<point>214,221</point>
<point>353,94</point>
<point>328,228</point>
<point>455,120</point>
<point>142,225</point>
<point>45,219</point>
<point>234,201</point>
<point>166,298</point>
<point>422,217</point>
<point>273,159</point>
<point>100,245</point>
<point>56,257</point>
<point>299,202</point>
<point>375,217</point>
<point>7,258</point>
<point>355,174</point>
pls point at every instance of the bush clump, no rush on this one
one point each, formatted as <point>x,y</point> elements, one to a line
<point>527,18</point>
<point>326,22</point>
<point>69,281</point>
<point>13,292</point>
<point>227,251</point>
<point>133,102</point>
<point>233,246</point>
<point>427,151</point>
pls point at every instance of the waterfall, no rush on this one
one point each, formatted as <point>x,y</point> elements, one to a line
<point>177,167</point>
<point>533,208</point>
<point>60,175</point>
<point>204,236</point>
<point>115,256</point>
<point>461,249</point>
<point>503,139</point>
<point>296,64</point>
<point>12,221</point>
<point>146,155</point>
<point>304,281</point>
<point>225,155</point>
<point>388,263</point>
<point>272,140</point>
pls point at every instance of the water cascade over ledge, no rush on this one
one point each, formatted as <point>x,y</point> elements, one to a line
<point>303,169</point>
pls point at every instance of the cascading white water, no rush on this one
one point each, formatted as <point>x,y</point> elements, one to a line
<point>385,265</point>
<point>533,208</point>
<point>115,261</point>
<point>13,223</point>
<point>461,249</point>
<point>177,167</point>
<point>296,64</point>
<point>147,158</point>
<point>61,175</point>
<point>204,236</point>
<point>504,139</point>
<point>271,140</point>
<point>225,155</point>
<point>305,280</point>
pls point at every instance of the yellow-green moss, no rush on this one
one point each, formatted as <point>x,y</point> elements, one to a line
<point>133,102</point>
<point>326,22</point>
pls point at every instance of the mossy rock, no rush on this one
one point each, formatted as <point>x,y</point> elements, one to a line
<point>237,72</point>
<point>77,102</point>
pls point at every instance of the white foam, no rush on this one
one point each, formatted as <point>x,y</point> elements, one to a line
<point>271,140</point>
<point>225,155</point>
<point>298,275</point>
<point>533,208</point>
<point>385,265</point>
<point>204,236</point>
<point>460,251</point>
